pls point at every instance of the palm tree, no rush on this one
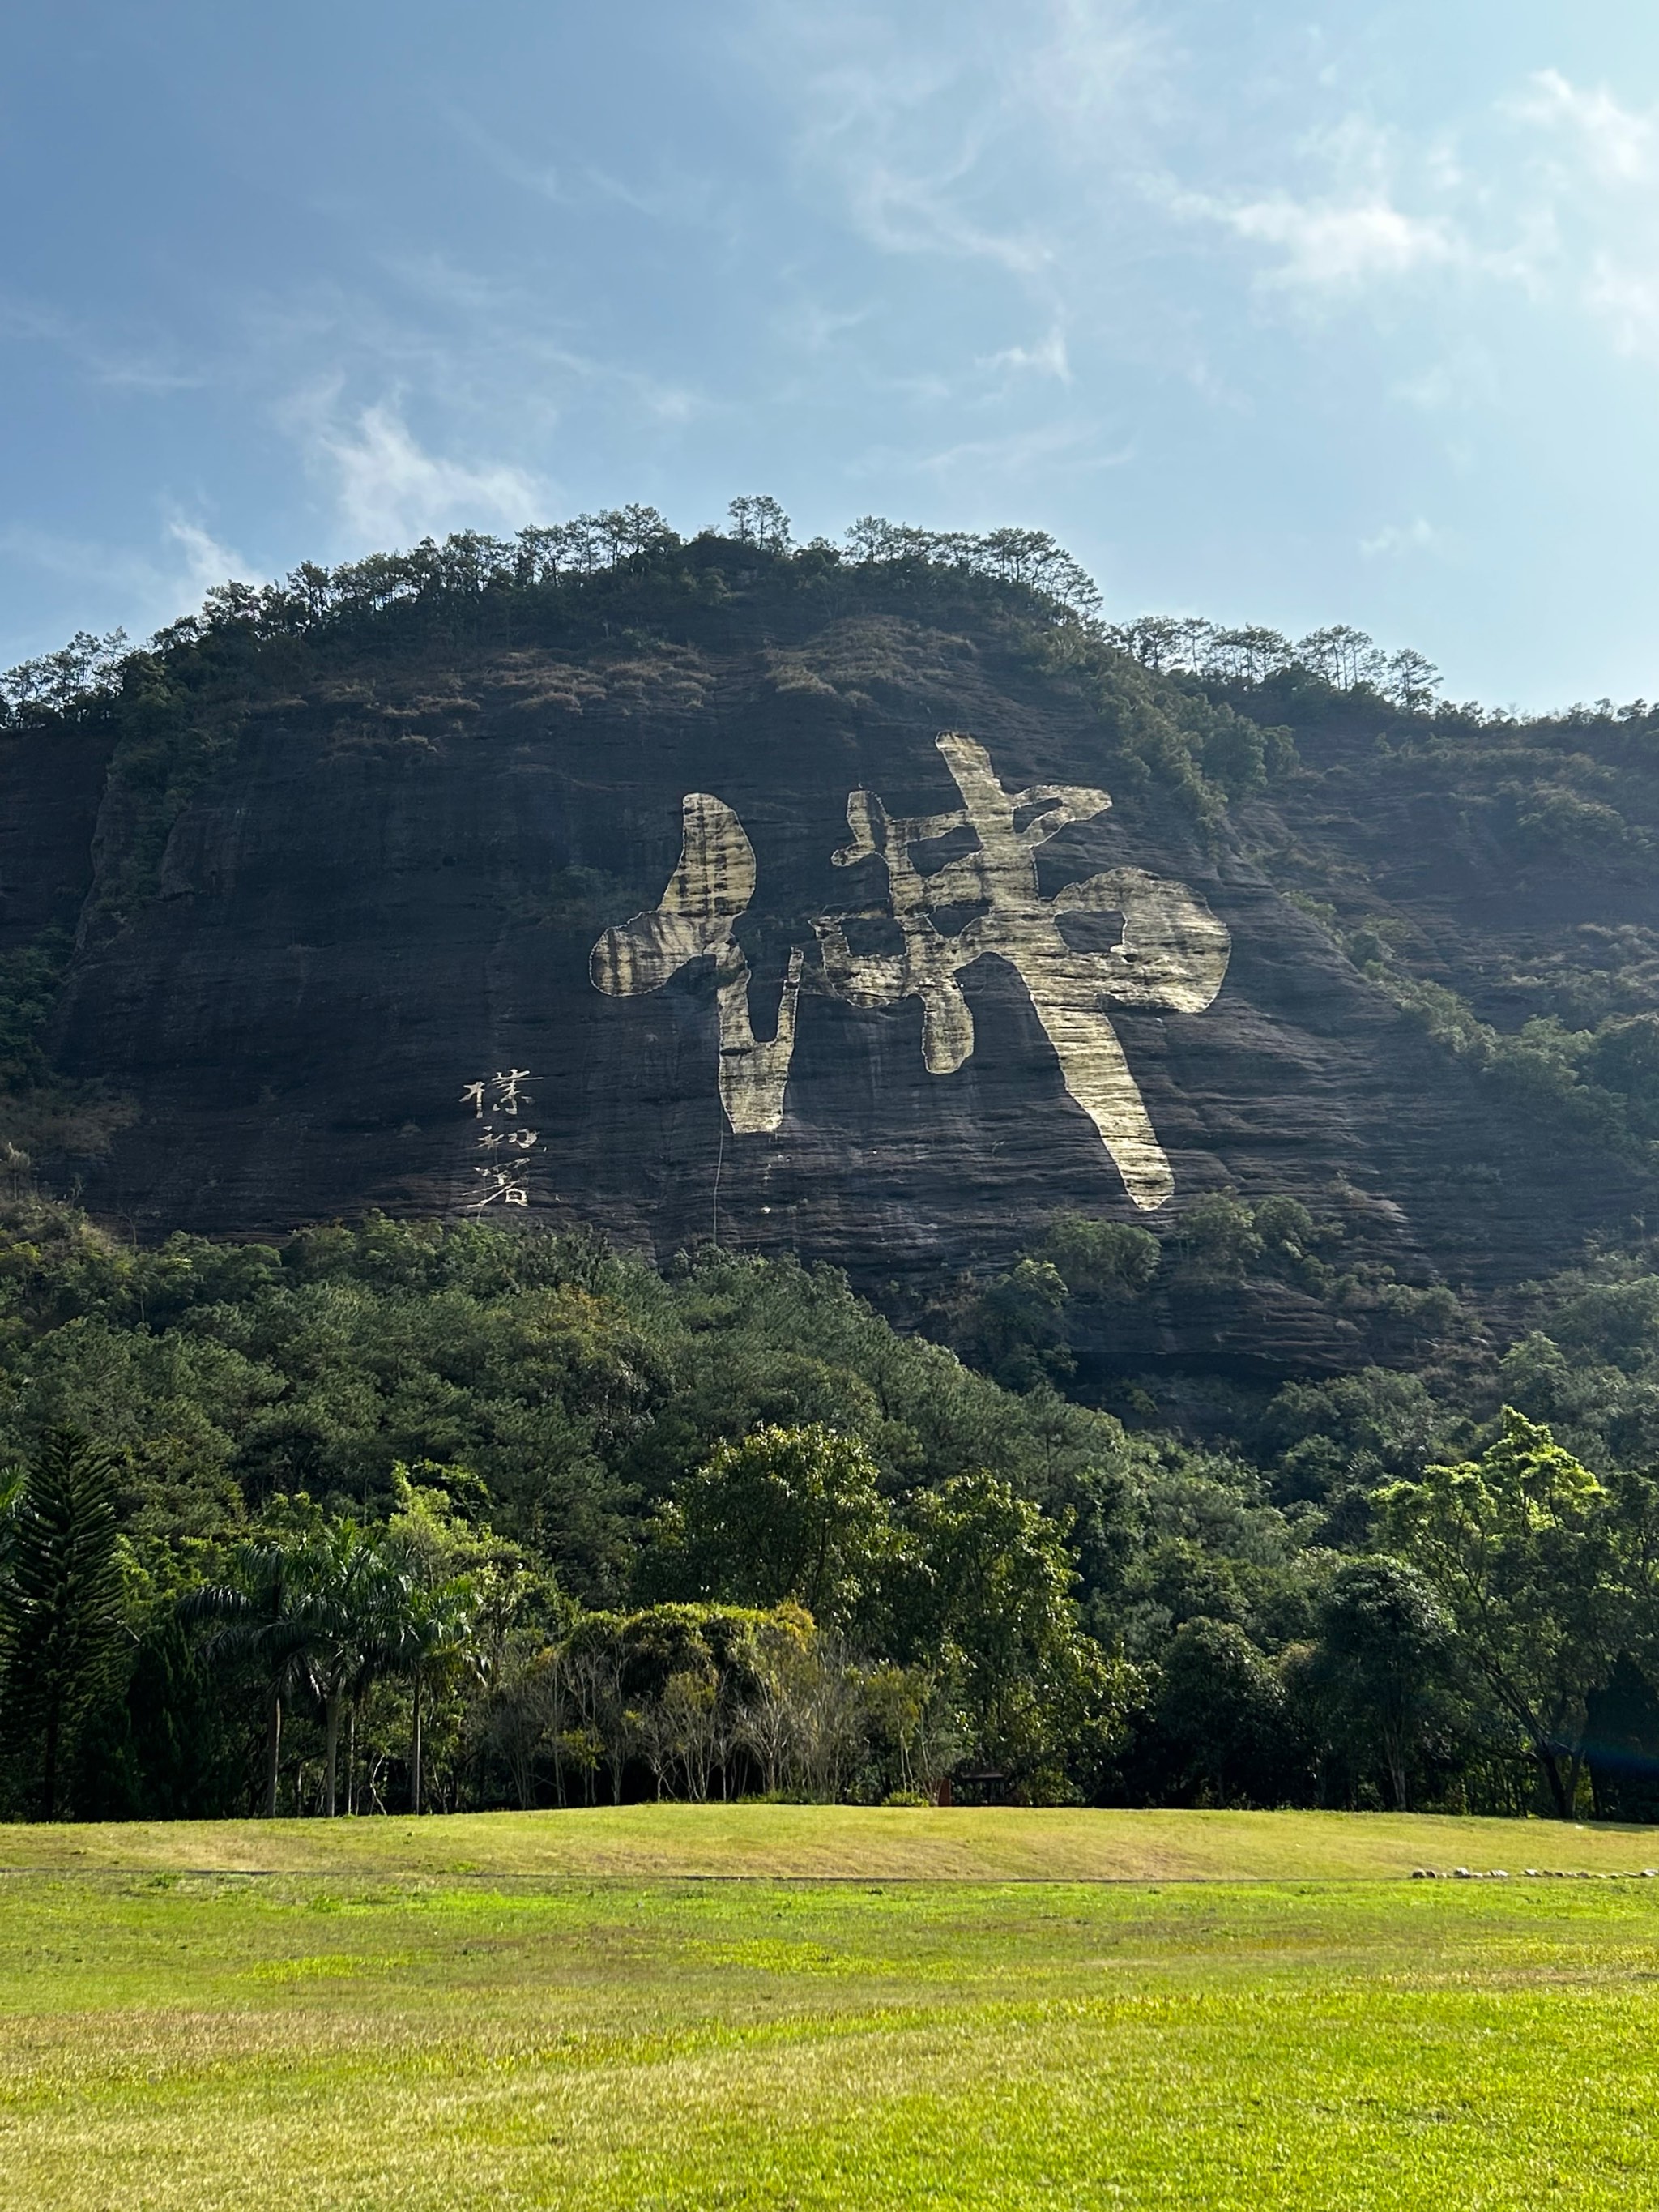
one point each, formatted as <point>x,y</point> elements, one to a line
<point>434,1633</point>
<point>355,1610</point>
<point>378,1643</point>
<point>264,1619</point>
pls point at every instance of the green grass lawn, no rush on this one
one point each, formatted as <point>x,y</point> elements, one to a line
<point>830,1841</point>
<point>380,2028</point>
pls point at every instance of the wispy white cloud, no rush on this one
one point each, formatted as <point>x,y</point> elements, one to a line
<point>1398,539</point>
<point>1598,221</point>
<point>1090,65</point>
<point>206,561</point>
<point>905,209</point>
<point>545,180</point>
<point>1616,144</point>
<point>811,327</point>
<point>1627,300</point>
<point>143,586</point>
<point>480,347</point>
<point>1047,357</point>
<point>1020,455</point>
<point>1050,147</point>
<point>1325,245</point>
<point>387,489</point>
<point>118,364</point>
<point>901,129</point>
<point>1465,376</point>
<point>1366,209</point>
<point>444,399</point>
<point>674,197</point>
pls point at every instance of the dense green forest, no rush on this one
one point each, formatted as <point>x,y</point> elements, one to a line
<point>461,1516</point>
<point>391,1514</point>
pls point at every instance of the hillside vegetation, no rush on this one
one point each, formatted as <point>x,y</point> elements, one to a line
<point>508,1519</point>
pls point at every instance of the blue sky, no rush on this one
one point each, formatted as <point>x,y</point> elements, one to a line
<point>1271,312</point>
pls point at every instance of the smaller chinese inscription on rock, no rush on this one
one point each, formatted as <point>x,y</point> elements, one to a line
<point>505,1140</point>
<point>1172,952</point>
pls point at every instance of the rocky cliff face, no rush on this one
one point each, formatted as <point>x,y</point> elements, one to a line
<point>840,922</point>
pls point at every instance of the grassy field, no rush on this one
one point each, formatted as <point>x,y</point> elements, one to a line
<point>556,2011</point>
<point>838,1842</point>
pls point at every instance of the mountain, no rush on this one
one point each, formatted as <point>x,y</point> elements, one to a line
<point>884,909</point>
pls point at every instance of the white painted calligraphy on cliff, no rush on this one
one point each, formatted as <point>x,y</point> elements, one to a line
<point>501,1172</point>
<point>712,884</point>
<point>1172,952</point>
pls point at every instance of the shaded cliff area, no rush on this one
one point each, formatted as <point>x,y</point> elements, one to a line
<point>300,913</point>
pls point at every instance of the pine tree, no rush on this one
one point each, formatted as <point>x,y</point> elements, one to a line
<point>60,1603</point>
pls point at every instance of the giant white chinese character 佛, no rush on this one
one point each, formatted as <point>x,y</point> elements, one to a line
<point>1172,952</point>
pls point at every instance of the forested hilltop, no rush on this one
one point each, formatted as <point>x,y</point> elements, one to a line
<point>861,1418</point>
